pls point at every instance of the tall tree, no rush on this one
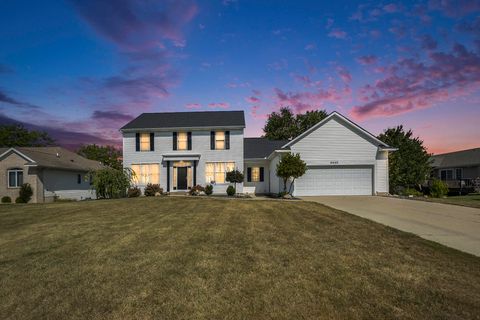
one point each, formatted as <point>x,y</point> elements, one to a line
<point>107,155</point>
<point>285,125</point>
<point>290,166</point>
<point>16,135</point>
<point>409,166</point>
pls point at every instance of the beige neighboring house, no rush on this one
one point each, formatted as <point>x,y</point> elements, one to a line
<point>51,171</point>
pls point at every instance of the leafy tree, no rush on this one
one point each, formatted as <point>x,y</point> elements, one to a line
<point>17,135</point>
<point>112,183</point>
<point>235,177</point>
<point>107,155</point>
<point>285,125</point>
<point>290,166</point>
<point>409,166</point>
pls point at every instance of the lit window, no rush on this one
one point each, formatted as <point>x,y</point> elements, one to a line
<point>144,141</point>
<point>215,171</point>
<point>182,141</point>
<point>220,140</point>
<point>15,178</point>
<point>255,174</point>
<point>146,173</point>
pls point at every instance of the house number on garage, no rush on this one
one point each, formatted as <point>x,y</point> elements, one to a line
<point>333,162</point>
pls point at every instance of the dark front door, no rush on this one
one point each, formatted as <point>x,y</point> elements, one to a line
<point>182,178</point>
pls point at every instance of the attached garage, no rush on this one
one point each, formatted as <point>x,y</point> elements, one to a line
<point>337,180</point>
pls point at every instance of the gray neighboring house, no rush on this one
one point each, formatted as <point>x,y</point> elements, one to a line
<point>51,171</point>
<point>179,150</point>
<point>459,169</point>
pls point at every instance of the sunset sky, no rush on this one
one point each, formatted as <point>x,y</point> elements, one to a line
<point>81,69</point>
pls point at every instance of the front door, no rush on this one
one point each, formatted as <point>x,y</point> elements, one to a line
<point>182,178</point>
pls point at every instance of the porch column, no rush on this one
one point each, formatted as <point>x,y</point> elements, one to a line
<point>168,176</point>
<point>195,172</point>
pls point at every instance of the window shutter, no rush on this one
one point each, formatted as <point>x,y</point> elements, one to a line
<point>212,140</point>
<point>261,174</point>
<point>249,174</point>
<point>137,141</point>
<point>189,140</point>
<point>152,141</point>
<point>227,140</point>
<point>174,141</point>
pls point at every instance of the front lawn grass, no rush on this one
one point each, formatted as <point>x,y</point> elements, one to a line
<point>192,258</point>
<point>471,200</point>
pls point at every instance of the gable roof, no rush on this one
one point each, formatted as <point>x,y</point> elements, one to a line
<point>346,122</point>
<point>463,158</point>
<point>52,157</point>
<point>197,119</point>
<point>260,148</point>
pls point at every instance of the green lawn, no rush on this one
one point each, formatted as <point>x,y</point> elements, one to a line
<point>471,200</point>
<point>197,258</point>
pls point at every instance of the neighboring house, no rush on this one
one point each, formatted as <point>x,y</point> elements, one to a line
<point>460,169</point>
<point>51,172</point>
<point>181,149</point>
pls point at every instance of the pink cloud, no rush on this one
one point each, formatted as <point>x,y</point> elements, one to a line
<point>390,8</point>
<point>254,112</point>
<point>366,60</point>
<point>310,46</point>
<point>308,100</point>
<point>344,75</point>
<point>252,99</point>
<point>410,85</point>
<point>337,33</point>
<point>193,106</point>
<point>455,8</point>
<point>219,105</point>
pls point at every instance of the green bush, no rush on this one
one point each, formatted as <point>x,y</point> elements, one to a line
<point>438,189</point>
<point>19,200</point>
<point>230,191</point>
<point>6,199</point>
<point>412,192</point>
<point>112,183</point>
<point>134,192</point>
<point>25,192</point>
<point>152,189</point>
<point>208,189</point>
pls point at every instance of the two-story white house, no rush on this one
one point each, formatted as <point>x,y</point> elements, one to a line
<point>179,150</point>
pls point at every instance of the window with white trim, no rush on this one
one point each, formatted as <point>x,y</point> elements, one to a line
<point>220,140</point>
<point>146,173</point>
<point>182,141</point>
<point>255,174</point>
<point>15,178</point>
<point>145,141</point>
<point>215,172</point>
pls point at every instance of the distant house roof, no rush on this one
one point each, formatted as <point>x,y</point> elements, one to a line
<point>464,158</point>
<point>195,119</point>
<point>52,157</point>
<point>259,148</point>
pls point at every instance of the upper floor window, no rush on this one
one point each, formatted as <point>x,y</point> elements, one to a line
<point>182,141</point>
<point>15,178</point>
<point>145,141</point>
<point>220,140</point>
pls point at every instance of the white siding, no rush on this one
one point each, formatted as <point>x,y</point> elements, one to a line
<point>64,185</point>
<point>200,145</point>
<point>381,172</point>
<point>334,143</point>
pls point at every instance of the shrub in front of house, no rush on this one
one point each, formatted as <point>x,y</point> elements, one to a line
<point>412,192</point>
<point>6,199</point>
<point>134,192</point>
<point>19,200</point>
<point>25,193</point>
<point>208,189</point>
<point>230,191</point>
<point>196,190</point>
<point>438,189</point>
<point>152,190</point>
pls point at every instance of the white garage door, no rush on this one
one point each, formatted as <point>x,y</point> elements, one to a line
<point>335,181</point>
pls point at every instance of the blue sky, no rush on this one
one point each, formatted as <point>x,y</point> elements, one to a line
<point>80,69</point>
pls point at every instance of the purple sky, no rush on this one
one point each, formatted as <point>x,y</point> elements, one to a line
<point>81,69</point>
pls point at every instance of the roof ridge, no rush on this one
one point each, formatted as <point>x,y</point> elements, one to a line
<point>452,152</point>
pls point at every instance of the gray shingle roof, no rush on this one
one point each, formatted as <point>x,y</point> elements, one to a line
<point>46,157</point>
<point>256,148</point>
<point>462,158</point>
<point>187,120</point>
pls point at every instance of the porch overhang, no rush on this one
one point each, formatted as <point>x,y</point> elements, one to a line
<point>181,157</point>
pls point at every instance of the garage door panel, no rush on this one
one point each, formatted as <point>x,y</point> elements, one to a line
<point>335,181</point>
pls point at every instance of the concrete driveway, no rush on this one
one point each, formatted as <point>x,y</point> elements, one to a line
<point>454,226</point>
